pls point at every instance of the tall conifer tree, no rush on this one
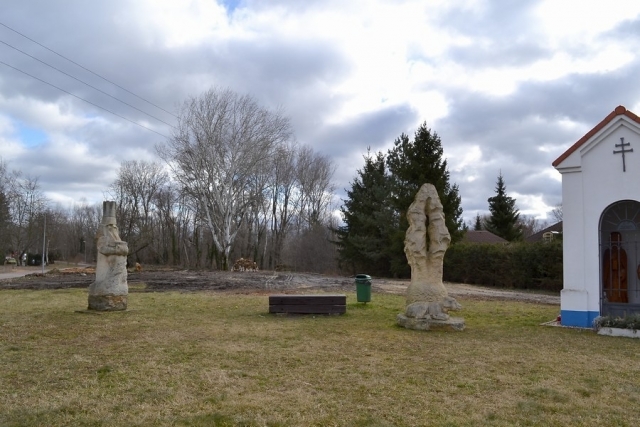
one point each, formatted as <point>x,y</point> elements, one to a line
<point>477,226</point>
<point>504,216</point>
<point>363,242</point>
<point>411,164</point>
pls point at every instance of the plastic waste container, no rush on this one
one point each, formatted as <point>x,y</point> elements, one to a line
<point>363,287</point>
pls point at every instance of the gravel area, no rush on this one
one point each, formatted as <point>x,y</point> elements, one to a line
<point>159,279</point>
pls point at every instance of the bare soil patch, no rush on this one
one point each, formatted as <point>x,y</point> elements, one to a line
<point>165,279</point>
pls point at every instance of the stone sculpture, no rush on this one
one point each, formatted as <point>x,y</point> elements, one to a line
<point>109,291</point>
<point>425,244</point>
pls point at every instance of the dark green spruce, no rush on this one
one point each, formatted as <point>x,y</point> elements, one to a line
<point>412,163</point>
<point>371,240</point>
<point>504,216</point>
<point>477,226</point>
<point>363,240</point>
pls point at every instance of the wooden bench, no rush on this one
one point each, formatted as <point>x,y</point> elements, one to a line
<point>308,304</point>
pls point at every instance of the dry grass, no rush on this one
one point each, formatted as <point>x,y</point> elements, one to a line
<point>206,359</point>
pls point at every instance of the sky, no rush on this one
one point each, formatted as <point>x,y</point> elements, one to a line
<point>507,85</point>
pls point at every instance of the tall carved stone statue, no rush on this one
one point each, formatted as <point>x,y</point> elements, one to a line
<point>425,244</point>
<point>109,291</point>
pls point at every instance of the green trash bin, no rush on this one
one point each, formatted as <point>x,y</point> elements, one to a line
<point>363,287</point>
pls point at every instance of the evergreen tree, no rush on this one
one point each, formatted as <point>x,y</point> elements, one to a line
<point>504,216</point>
<point>412,164</point>
<point>363,240</point>
<point>478,224</point>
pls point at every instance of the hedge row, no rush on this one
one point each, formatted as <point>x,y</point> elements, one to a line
<point>516,265</point>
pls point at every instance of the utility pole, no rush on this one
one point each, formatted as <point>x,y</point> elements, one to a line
<point>44,240</point>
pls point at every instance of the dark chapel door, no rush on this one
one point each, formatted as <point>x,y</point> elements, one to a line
<point>620,259</point>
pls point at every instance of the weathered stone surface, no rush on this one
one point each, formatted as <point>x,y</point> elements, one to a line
<point>108,302</point>
<point>425,244</point>
<point>109,291</point>
<point>452,323</point>
<point>437,310</point>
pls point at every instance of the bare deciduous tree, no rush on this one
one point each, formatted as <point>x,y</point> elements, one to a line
<point>168,226</point>
<point>222,140</point>
<point>135,192</point>
<point>26,204</point>
<point>556,213</point>
<point>530,225</point>
<point>314,174</point>
<point>284,200</point>
<point>83,224</point>
<point>5,218</point>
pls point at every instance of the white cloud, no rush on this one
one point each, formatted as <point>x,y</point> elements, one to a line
<point>466,158</point>
<point>566,23</point>
<point>353,74</point>
<point>532,205</point>
<point>179,24</point>
<point>48,116</point>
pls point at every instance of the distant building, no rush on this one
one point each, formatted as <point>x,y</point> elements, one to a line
<point>482,236</point>
<point>548,234</point>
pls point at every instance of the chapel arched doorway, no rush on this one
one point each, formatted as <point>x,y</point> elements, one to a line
<point>620,258</point>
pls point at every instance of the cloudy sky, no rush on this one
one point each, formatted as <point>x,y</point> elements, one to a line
<point>508,85</point>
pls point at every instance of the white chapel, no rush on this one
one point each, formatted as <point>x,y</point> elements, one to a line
<point>601,221</point>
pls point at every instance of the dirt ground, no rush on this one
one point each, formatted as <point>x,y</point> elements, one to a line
<point>266,282</point>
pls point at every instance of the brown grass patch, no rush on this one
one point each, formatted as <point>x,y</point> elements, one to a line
<point>219,360</point>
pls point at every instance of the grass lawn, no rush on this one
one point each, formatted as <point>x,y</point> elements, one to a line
<point>210,359</point>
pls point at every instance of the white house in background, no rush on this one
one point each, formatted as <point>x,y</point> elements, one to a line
<point>601,204</point>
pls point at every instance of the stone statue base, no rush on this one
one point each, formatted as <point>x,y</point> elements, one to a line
<point>108,302</point>
<point>453,323</point>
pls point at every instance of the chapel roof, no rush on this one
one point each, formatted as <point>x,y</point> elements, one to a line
<point>619,111</point>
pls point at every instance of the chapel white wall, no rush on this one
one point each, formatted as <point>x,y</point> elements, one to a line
<point>588,188</point>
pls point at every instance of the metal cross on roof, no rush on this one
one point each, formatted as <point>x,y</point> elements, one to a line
<point>622,150</point>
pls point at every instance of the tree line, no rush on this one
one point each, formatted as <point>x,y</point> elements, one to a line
<point>234,183</point>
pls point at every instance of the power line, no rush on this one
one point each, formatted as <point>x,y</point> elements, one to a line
<point>86,69</point>
<point>82,99</point>
<point>85,83</point>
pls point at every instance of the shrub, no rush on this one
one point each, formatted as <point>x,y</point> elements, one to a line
<point>626,322</point>
<point>516,265</point>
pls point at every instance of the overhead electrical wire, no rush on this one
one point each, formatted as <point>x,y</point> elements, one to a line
<point>82,99</point>
<point>86,69</point>
<point>85,83</point>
